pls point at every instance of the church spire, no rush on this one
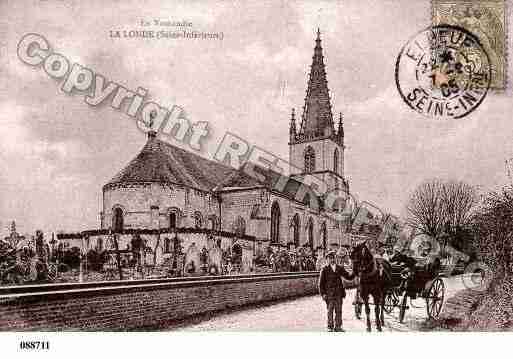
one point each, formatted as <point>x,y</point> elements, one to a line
<point>317,119</point>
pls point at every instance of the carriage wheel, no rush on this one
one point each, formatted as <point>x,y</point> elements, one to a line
<point>357,305</point>
<point>402,308</point>
<point>391,301</point>
<point>435,298</point>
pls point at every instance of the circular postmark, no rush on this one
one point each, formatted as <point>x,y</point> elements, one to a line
<point>443,72</point>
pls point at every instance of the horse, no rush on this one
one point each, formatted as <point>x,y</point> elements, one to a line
<point>374,279</point>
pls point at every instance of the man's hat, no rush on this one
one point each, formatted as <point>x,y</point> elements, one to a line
<point>342,252</point>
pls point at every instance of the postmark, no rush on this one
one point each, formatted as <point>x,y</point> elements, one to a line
<point>443,72</point>
<point>486,20</point>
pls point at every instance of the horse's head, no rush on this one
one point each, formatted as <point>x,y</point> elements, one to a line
<point>362,258</point>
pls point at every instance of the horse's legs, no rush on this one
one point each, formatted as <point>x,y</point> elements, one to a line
<point>367,310</point>
<point>383,308</point>
<point>377,306</point>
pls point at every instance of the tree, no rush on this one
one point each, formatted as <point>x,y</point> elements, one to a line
<point>438,205</point>
<point>458,202</point>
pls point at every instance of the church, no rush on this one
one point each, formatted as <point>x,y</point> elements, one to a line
<point>167,192</point>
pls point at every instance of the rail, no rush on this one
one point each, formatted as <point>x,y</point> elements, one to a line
<point>111,286</point>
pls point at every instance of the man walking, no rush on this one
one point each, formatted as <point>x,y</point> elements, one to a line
<point>332,290</point>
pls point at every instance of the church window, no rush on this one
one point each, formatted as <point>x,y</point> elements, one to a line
<point>310,233</point>
<point>172,220</point>
<point>309,159</point>
<point>275,223</point>
<point>212,222</point>
<point>198,220</point>
<point>240,226</point>
<point>117,220</point>
<point>167,245</point>
<point>295,229</point>
<point>324,234</point>
<point>335,161</point>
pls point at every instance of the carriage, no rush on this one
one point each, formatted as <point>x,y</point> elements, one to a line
<point>425,281</point>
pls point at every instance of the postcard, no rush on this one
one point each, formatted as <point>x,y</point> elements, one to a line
<point>255,166</point>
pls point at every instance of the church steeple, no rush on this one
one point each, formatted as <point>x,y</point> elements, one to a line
<point>316,147</point>
<point>317,119</point>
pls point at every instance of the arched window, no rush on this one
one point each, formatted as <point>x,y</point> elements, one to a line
<point>324,235</point>
<point>117,220</point>
<point>309,159</point>
<point>212,222</point>
<point>295,229</point>
<point>239,227</point>
<point>335,161</point>
<point>172,220</point>
<point>237,254</point>
<point>198,220</point>
<point>310,231</point>
<point>167,245</point>
<point>275,223</point>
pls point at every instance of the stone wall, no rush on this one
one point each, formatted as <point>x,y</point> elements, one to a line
<point>324,155</point>
<point>144,304</point>
<point>137,201</point>
<point>148,206</point>
<point>236,204</point>
<point>241,204</point>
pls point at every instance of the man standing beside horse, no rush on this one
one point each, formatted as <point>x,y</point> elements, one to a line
<point>332,290</point>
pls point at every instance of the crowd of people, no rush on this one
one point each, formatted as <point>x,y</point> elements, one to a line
<point>282,260</point>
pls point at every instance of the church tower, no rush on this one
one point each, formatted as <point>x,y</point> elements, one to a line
<point>317,148</point>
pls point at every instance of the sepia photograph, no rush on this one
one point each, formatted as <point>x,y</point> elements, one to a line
<point>302,168</point>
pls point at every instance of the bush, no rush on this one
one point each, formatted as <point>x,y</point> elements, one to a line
<point>96,260</point>
<point>493,227</point>
<point>72,257</point>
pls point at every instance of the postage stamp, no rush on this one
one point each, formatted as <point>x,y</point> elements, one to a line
<point>486,20</point>
<point>443,72</point>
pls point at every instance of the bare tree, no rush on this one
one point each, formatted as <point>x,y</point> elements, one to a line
<point>458,202</point>
<point>437,205</point>
<point>424,208</point>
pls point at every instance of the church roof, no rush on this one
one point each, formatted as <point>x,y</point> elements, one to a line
<point>162,162</point>
<point>274,181</point>
<point>317,119</point>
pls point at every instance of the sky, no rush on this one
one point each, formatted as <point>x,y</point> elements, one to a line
<point>56,152</point>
